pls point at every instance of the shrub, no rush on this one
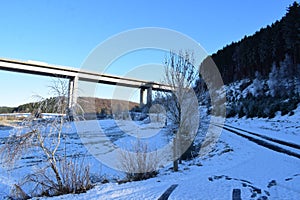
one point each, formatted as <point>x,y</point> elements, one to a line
<point>265,106</point>
<point>241,112</point>
<point>75,179</point>
<point>139,164</point>
<point>191,152</point>
<point>230,112</point>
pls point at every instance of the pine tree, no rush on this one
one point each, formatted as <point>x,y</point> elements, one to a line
<point>291,26</point>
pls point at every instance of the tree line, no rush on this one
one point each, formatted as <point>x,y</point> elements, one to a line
<point>265,65</point>
<point>259,52</point>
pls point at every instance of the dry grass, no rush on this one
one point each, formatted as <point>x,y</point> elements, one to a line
<point>139,164</point>
<point>75,176</point>
<point>9,122</point>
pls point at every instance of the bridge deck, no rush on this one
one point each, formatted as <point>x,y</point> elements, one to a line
<point>45,69</point>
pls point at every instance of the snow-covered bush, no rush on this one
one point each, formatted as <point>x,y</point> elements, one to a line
<point>75,177</point>
<point>264,97</point>
<point>138,162</point>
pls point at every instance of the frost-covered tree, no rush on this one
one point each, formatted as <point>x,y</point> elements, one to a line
<point>273,81</point>
<point>180,75</point>
<point>287,76</point>
<point>282,79</point>
<point>258,86</point>
<point>44,138</point>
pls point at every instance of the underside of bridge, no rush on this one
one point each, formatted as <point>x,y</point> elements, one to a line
<point>74,75</point>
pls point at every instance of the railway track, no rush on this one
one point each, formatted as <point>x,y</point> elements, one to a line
<point>277,145</point>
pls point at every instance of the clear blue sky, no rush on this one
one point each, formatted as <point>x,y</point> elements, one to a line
<point>64,32</point>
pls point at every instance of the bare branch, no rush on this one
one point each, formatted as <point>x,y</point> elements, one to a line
<point>45,135</point>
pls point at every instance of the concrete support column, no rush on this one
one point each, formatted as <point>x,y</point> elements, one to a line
<point>72,93</point>
<point>75,90</point>
<point>149,89</point>
<point>149,96</point>
<point>72,97</point>
<point>142,90</point>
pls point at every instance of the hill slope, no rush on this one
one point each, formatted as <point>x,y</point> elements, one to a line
<point>88,104</point>
<point>260,52</point>
<point>262,71</point>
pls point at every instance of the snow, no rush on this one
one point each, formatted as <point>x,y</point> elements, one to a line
<point>235,91</point>
<point>234,163</point>
<point>285,127</point>
<point>227,171</point>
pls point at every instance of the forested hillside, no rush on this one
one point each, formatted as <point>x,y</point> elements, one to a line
<point>260,52</point>
<point>262,71</point>
<point>88,104</point>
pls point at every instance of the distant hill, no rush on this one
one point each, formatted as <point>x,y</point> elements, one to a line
<point>5,109</point>
<point>105,106</point>
<point>88,104</point>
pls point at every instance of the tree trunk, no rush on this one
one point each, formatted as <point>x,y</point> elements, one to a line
<point>57,176</point>
<point>175,160</point>
<point>175,165</point>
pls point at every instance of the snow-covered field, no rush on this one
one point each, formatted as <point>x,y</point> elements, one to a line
<point>234,163</point>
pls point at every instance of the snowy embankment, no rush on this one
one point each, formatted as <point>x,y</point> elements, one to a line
<point>281,127</point>
<point>234,163</point>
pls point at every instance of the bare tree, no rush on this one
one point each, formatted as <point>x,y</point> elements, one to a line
<point>180,75</point>
<point>44,135</point>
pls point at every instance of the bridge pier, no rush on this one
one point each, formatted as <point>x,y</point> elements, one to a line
<point>149,96</point>
<point>72,96</point>
<point>142,90</point>
<point>149,88</point>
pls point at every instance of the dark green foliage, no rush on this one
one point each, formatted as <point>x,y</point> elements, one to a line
<point>270,61</point>
<point>103,107</point>
<point>230,112</point>
<point>49,106</point>
<point>258,52</point>
<point>265,107</point>
<point>6,109</point>
<point>241,112</point>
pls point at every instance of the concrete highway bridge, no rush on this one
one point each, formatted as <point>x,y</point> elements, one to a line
<point>74,75</point>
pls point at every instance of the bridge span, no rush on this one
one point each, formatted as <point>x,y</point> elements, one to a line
<point>74,75</point>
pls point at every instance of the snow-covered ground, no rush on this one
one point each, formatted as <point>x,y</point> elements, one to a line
<point>234,163</point>
<point>281,127</point>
